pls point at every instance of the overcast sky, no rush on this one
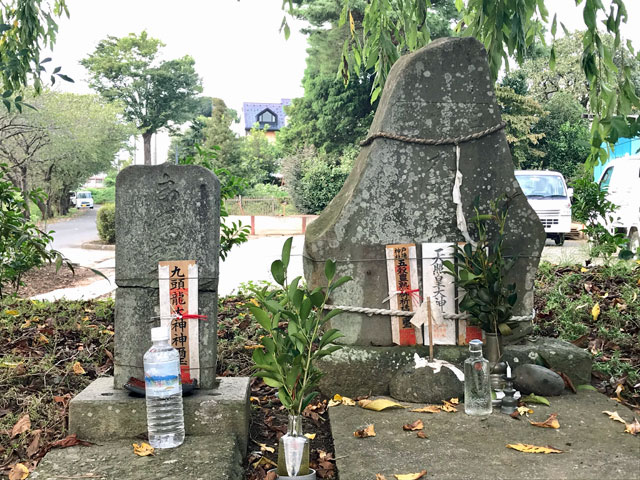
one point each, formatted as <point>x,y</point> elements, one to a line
<point>239,52</point>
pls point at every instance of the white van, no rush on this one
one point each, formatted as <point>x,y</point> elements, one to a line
<point>83,200</point>
<point>549,196</point>
<point>621,180</point>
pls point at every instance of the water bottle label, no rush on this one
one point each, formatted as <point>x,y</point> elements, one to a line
<point>162,379</point>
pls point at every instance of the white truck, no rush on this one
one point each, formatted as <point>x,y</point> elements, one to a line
<point>621,180</point>
<point>549,196</point>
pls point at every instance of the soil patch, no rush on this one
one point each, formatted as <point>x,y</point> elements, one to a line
<point>47,279</point>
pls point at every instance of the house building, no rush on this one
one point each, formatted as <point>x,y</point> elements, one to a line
<point>267,116</point>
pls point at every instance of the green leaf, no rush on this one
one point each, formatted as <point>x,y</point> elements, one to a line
<point>329,270</point>
<point>66,78</point>
<point>307,400</point>
<point>554,25</point>
<point>285,399</point>
<point>586,387</point>
<point>286,252</point>
<point>341,281</point>
<point>317,299</point>
<point>277,271</point>
<point>305,309</point>
<point>504,329</point>
<point>331,314</point>
<point>328,350</point>
<point>272,382</point>
<point>460,5</point>
<point>330,336</point>
<point>262,317</point>
<point>531,398</point>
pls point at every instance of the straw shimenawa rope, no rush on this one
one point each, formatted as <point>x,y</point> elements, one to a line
<point>404,313</point>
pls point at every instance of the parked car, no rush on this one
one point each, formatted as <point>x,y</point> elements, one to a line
<point>621,180</point>
<point>83,200</point>
<point>549,196</point>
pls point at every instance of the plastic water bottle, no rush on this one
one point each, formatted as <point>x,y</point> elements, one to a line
<point>165,420</point>
<point>477,389</point>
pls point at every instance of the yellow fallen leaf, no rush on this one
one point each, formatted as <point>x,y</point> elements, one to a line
<point>10,364</point>
<point>524,411</point>
<point>427,409</point>
<point>595,311</point>
<point>310,436</point>
<point>143,449</point>
<point>448,407</point>
<point>614,416</point>
<point>417,425</point>
<point>108,332</point>
<point>379,404</point>
<point>454,401</point>
<point>551,422</point>
<point>379,476</point>
<point>18,472</point>
<point>265,448</point>
<point>342,400</point>
<point>77,369</point>
<point>26,324</point>
<point>524,447</point>
<point>333,403</point>
<point>85,319</point>
<point>253,347</point>
<point>619,390</point>
<point>14,313</point>
<point>410,476</point>
<point>255,302</point>
<point>365,432</point>
<point>584,270</point>
<point>633,428</point>
<point>264,461</point>
<point>43,339</point>
<point>254,399</point>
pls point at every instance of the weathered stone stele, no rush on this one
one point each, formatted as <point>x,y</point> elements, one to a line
<point>164,212</point>
<point>401,192</point>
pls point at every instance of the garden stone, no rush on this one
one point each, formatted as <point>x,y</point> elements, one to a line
<point>400,192</point>
<point>423,385</point>
<point>538,380</point>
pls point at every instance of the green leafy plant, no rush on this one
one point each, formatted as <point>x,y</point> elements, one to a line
<point>106,223</point>
<point>293,318</point>
<point>481,269</point>
<point>591,207</point>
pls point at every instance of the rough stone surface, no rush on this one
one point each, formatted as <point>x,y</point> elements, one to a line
<point>198,458</point>
<point>163,212</point>
<point>557,354</point>
<point>460,446</point>
<point>537,379</point>
<point>134,307</point>
<point>356,370</point>
<point>101,413</point>
<point>402,193</point>
<point>422,385</point>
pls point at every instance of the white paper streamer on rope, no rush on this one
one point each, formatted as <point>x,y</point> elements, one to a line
<point>437,365</point>
<point>457,199</point>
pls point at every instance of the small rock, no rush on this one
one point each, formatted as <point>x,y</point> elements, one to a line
<point>422,385</point>
<point>538,380</point>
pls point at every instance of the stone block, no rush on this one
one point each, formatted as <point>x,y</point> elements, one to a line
<point>101,412</point>
<point>424,385</point>
<point>554,353</point>
<point>134,309</point>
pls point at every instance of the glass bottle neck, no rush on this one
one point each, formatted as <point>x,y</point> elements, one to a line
<point>295,425</point>
<point>475,354</point>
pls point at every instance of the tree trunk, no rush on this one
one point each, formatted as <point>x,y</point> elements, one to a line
<point>146,137</point>
<point>24,186</point>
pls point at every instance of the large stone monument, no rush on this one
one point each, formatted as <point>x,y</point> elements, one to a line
<point>437,143</point>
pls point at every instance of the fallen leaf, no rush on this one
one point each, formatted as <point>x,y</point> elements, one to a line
<point>253,347</point>
<point>310,436</point>
<point>43,339</point>
<point>531,398</point>
<point>34,446</point>
<point>271,475</point>
<point>68,441</point>
<point>379,404</point>
<point>344,400</point>
<point>448,407</point>
<point>619,390</point>
<point>595,311</point>
<point>108,332</point>
<point>614,416</point>
<point>633,428</point>
<point>265,448</point>
<point>143,450</point>
<point>365,432</point>
<point>567,381</point>
<point>77,369</point>
<point>427,409</point>
<point>410,476</point>
<point>14,313</point>
<point>421,434</point>
<point>584,270</point>
<point>587,387</point>
<point>333,403</point>
<point>454,401</point>
<point>551,422</point>
<point>380,477</point>
<point>85,319</point>
<point>417,425</point>
<point>524,411</point>
<point>18,472</point>
<point>523,447</point>
<point>22,425</point>
<point>264,461</point>
<point>254,399</point>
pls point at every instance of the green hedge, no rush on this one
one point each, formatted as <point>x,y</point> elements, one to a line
<point>103,195</point>
<point>107,223</point>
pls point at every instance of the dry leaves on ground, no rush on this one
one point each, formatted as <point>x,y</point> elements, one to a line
<point>410,476</point>
<point>448,407</point>
<point>365,432</point>
<point>427,409</point>
<point>417,425</point>
<point>551,422</point>
<point>421,434</point>
<point>143,449</point>
<point>77,369</point>
<point>18,472</point>
<point>340,400</point>
<point>526,448</point>
<point>379,404</point>
<point>22,425</point>
<point>633,428</point>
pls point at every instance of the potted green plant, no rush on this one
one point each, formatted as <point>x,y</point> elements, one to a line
<point>480,271</point>
<point>293,317</point>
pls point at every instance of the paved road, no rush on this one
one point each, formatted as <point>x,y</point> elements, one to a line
<point>77,230</point>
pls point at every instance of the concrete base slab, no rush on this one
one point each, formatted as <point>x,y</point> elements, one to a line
<point>461,446</point>
<point>101,413</point>
<point>199,458</point>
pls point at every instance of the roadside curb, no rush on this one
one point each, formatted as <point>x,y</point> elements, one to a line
<point>97,246</point>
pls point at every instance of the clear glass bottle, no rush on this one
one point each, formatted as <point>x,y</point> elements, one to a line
<point>477,386</point>
<point>163,391</point>
<point>293,450</point>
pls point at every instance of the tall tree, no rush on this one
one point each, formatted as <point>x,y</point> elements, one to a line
<point>155,94</point>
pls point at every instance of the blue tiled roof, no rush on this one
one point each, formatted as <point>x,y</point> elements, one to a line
<point>251,110</point>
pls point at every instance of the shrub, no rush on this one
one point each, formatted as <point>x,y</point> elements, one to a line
<point>103,195</point>
<point>107,223</point>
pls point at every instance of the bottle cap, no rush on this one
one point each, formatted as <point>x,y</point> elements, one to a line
<point>475,345</point>
<point>159,334</point>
